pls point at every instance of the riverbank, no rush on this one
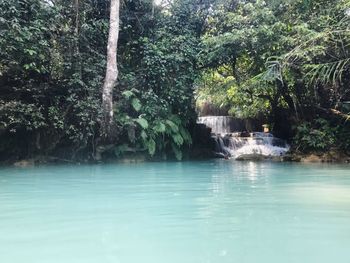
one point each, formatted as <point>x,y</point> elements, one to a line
<point>331,156</point>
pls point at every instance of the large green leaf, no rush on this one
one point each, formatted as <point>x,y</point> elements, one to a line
<point>175,119</point>
<point>172,126</point>
<point>185,135</point>
<point>151,146</point>
<point>177,138</point>
<point>144,135</point>
<point>127,94</point>
<point>177,151</point>
<point>136,104</point>
<point>142,122</point>
<point>159,127</point>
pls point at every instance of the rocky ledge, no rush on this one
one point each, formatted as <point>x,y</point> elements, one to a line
<point>331,156</point>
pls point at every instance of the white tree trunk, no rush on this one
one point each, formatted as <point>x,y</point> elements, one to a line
<point>112,69</point>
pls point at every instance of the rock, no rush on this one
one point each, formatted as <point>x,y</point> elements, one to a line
<point>219,155</point>
<point>332,156</point>
<point>24,163</point>
<point>292,158</point>
<point>101,149</point>
<point>312,158</point>
<point>251,157</point>
<point>132,160</point>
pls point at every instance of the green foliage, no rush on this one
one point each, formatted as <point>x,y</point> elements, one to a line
<point>136,104</point>
<point>156,134</point>
<point>238,43</point>
<point>315,136</point>
<point>343,137</point>
<point>143,123</point>
<point>14,115</point>
<point>52,64</point>
<point>250,57</point>
<point>49,76</point>
<point>267,57</point>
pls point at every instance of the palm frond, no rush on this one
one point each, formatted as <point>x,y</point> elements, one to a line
<point>327,73</point>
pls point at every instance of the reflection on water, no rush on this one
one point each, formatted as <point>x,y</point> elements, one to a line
<point>215,211</point>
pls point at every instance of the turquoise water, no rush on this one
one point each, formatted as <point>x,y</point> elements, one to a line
<point>191,212</point>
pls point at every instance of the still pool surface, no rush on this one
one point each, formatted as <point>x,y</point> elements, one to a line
<point>191,212</point>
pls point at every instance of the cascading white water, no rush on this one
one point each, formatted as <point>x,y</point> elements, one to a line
<point>229,141</point>
<point>218,124</point>
<point>262,145</point>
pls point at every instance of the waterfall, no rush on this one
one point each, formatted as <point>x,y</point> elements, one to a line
<point>230,141</point>
<point>218,124</point>
<point>258,145</point>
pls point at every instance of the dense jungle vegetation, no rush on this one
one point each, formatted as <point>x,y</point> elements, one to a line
<point>284,61</point>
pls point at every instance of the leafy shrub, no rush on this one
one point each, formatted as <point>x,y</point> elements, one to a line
<point>343,135</point>
<point>16,115</point>
<point>315,136</point>
<point>147,125</point>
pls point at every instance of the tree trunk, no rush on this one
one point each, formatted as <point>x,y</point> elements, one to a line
<point>77,57</point>
<point>333,113</point>
<point>282,87</point>
<point>111,71</point>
